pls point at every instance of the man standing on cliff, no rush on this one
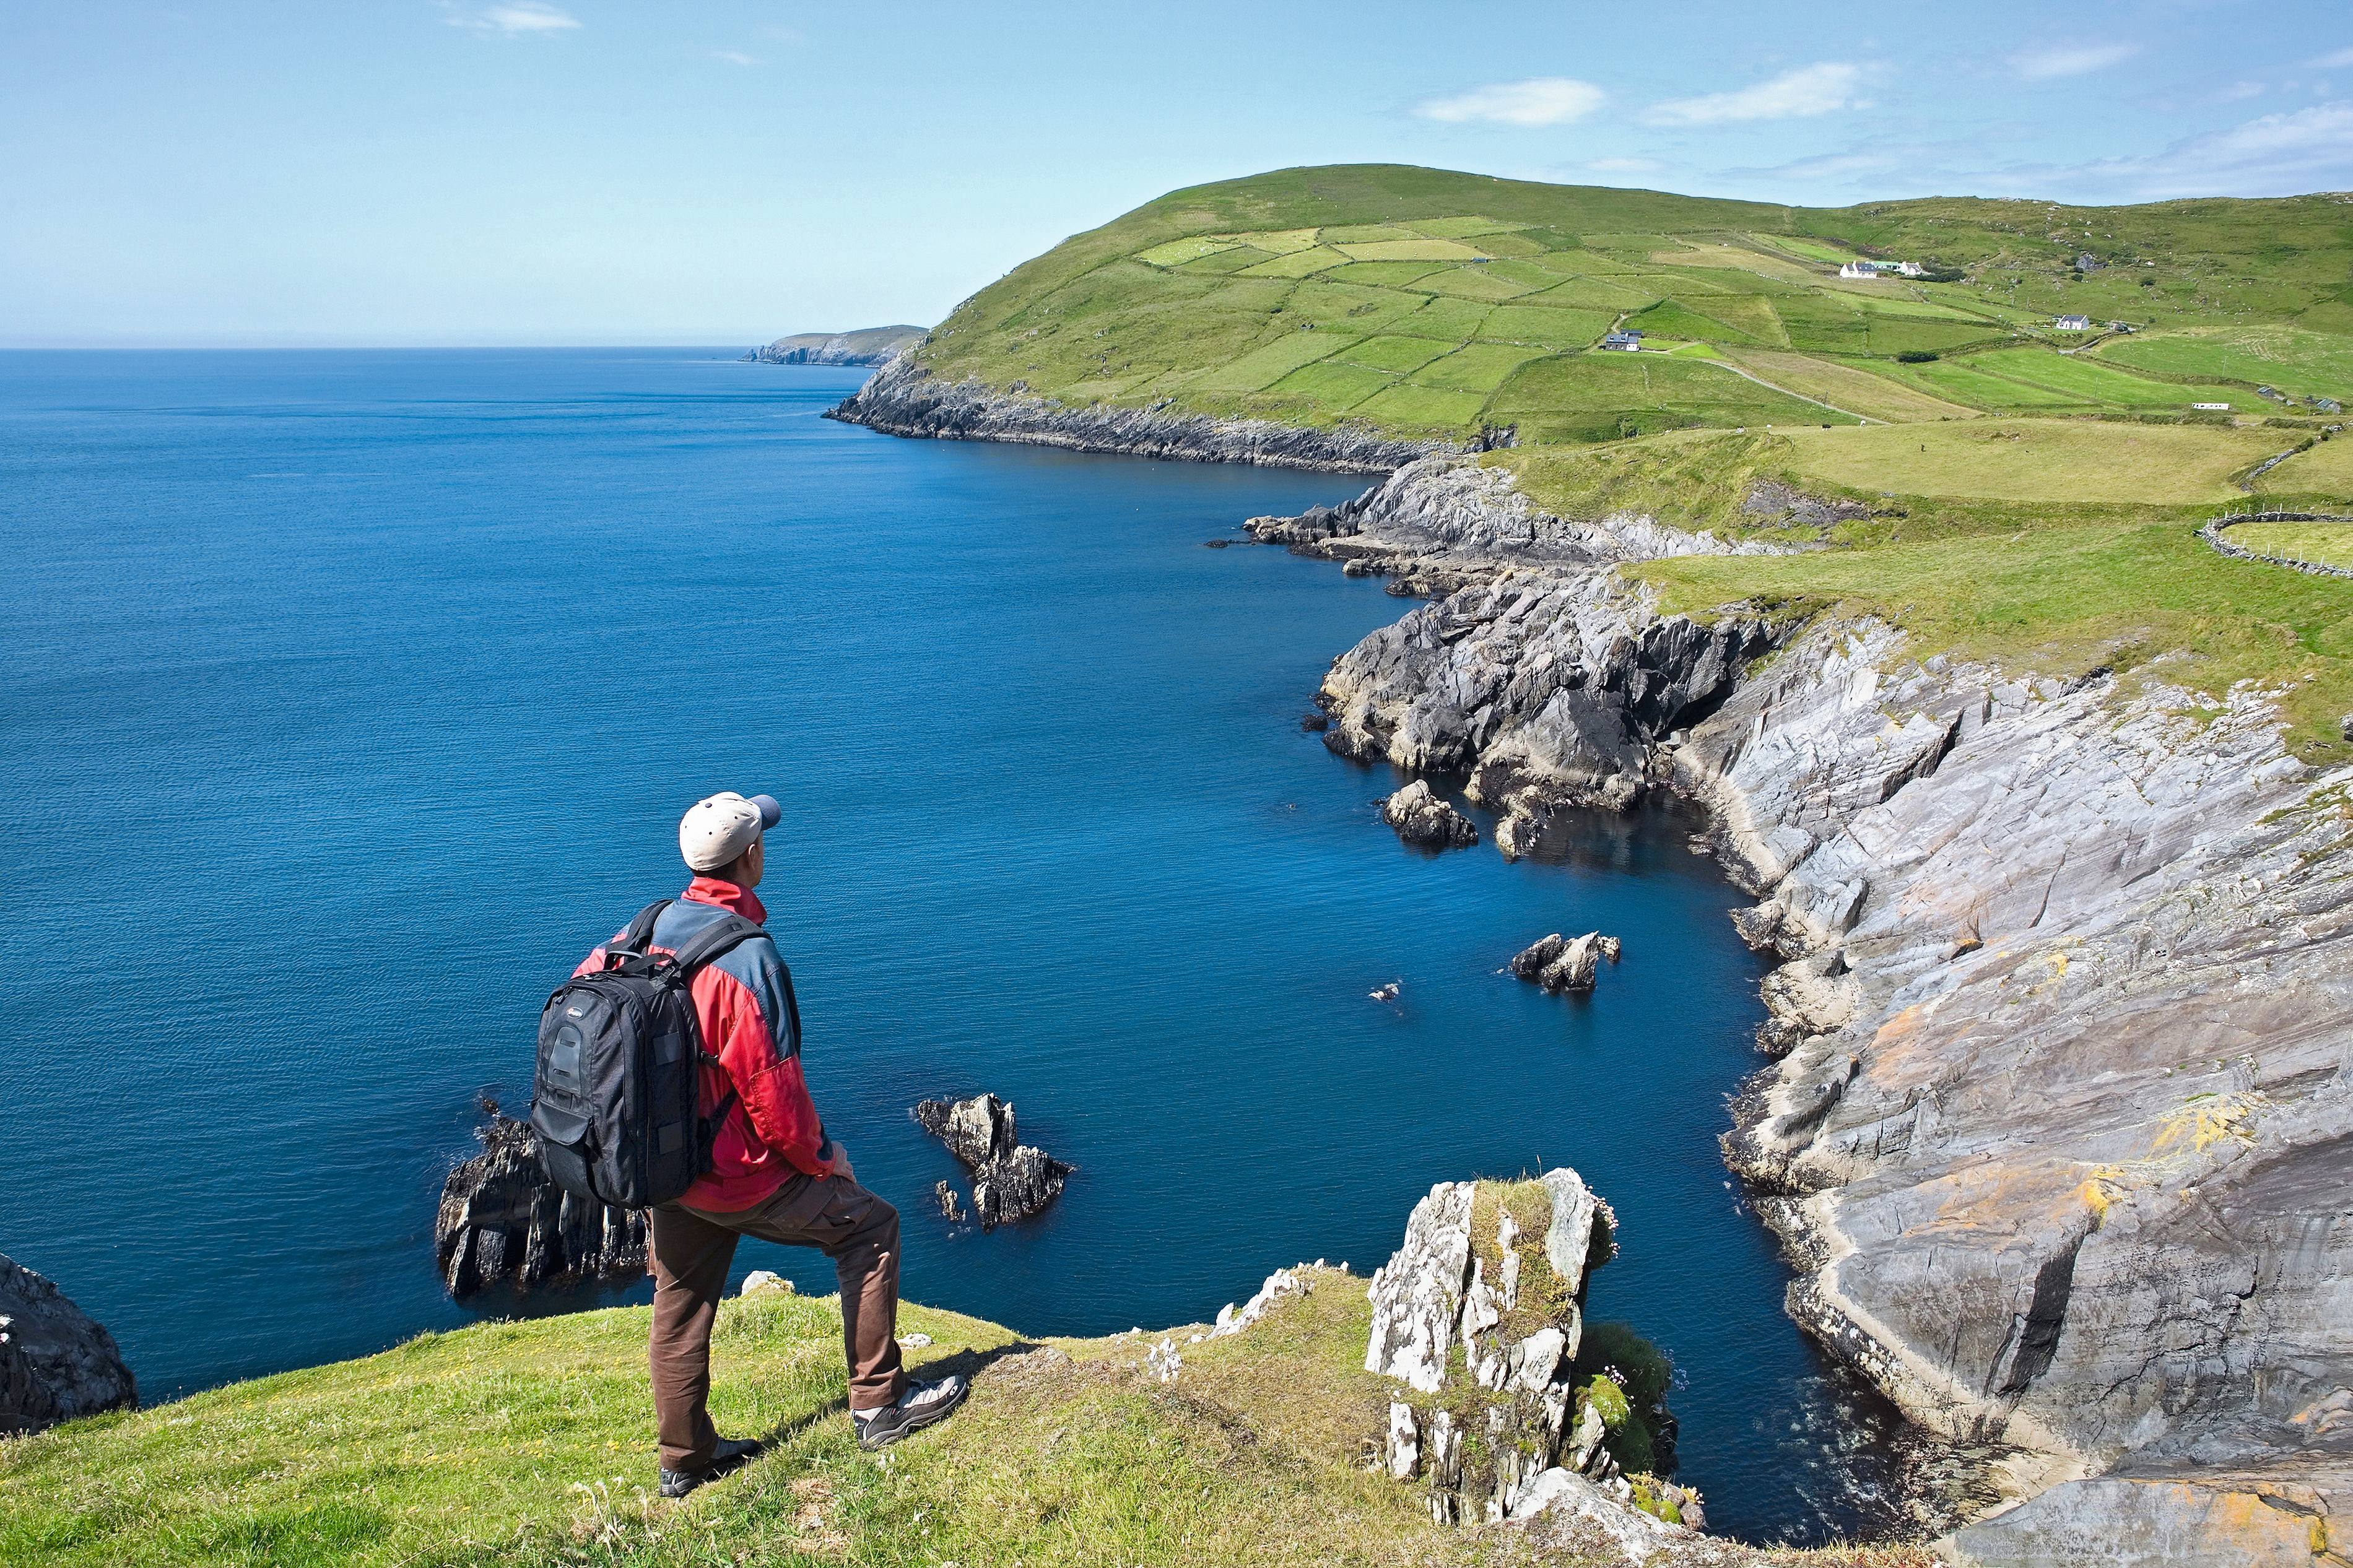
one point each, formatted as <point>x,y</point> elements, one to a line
<point>775,1175</point>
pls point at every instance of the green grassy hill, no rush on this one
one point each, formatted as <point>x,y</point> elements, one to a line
<point>531,1443</point>
<point>2036,493</point>
<point>1418,301</point>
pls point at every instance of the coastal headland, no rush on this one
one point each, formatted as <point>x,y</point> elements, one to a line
<point>2041,799</point>
<point>2044,801</point>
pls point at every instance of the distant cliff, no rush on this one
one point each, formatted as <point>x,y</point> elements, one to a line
<point>868,345</point>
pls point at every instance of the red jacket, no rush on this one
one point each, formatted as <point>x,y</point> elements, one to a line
<point>772,1129</point>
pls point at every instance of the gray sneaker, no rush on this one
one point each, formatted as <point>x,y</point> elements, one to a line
<point>732,1454</point>
<point>923,1405</point>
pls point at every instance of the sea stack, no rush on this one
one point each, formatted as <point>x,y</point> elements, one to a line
<point>1010,1180</point>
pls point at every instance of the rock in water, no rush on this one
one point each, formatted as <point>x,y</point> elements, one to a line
<point>55,1362</point>
<point>1564,964</point>
<point>503,1219</point>
<point>1014,1188</point>
<point>1010,1180</point>
<point>977,1130</point>
<point>951,1207</point>
<point>1421,817</point>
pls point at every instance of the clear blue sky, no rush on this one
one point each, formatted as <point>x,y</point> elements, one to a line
<point>621,171</point>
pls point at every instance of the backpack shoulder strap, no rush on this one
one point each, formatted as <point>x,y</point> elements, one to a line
<point>639,932</point>
<point>717,938</point>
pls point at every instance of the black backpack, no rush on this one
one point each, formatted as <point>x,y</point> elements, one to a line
<point>616,1099</point>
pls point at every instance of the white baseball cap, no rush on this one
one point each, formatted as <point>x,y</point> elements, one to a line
<point>718,829</point>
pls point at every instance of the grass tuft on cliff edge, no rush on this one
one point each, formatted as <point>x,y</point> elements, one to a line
<point>529,1443</point>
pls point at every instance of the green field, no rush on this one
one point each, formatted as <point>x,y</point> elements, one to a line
<point>1861,390</point>
<point>2038,460</point>
<point>2301,363</point>
<point>2325,471</point>
<point>1599,396</point>
<point>2326,544</point>
<point>1191,297</point>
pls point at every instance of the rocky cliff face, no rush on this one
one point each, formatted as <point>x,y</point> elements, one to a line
<point>868,345</point>
<point>2063,1122</point>
<point>906,399</point>
<point>55,1362</point>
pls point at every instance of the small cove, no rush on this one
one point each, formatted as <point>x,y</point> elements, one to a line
<point>386,674</point>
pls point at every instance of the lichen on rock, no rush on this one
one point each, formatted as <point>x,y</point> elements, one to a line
<point>1480,1315</point>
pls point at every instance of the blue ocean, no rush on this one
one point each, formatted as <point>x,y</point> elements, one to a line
<point>350,697</point>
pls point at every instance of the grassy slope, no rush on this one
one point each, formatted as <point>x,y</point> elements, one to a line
<point>1417,300</point>
<point>529,1443</point>
<point>1979,546</point>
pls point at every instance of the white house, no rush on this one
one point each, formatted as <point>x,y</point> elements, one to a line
<point>1860,269</point>
<point>2073,323</point>
<point>1910,268</point>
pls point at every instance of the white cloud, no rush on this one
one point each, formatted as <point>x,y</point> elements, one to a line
<point>516,19</point>
<point>1625,165</point>
<point>2277,155</point>
<point>2337,61</point>
<point>2081,59</point>
<point>737,57</point>
<point>1539,100</point>
<point>1830,166</point>
<point>1810,90</point>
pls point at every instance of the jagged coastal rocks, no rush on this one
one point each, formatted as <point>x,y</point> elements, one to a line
<point>904,399</point>
<point>1424,820</point>
<point>1565,963</point>
<point>1011,1179</point>
<point>1479,1317</point>
<point>2060,1127</point>
<point>502,1221</point>
<point>55,1362</point>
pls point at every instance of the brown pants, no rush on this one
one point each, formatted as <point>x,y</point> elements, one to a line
<point>690,1253</point>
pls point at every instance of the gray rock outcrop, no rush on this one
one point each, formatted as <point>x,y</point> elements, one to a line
<point>502,1221</point>
<point>1479,1315</point>
<point>1010,1180</point>
<point>1423,819</point>
<point>867,345</point>
<point>55,1362</point>
<point>904,399</point>
<point>1565,963</point>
